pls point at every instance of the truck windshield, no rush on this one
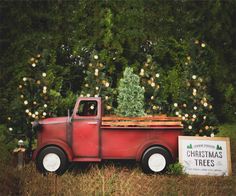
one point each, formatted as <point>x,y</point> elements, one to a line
<point>87,108</point>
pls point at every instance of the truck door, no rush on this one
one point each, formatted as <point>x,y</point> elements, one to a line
<point>86,128</point>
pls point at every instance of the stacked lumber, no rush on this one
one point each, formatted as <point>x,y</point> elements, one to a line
<point>146,121</point>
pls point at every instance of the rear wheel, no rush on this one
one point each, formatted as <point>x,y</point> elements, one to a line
<point>52,159</point>
<point>155,160</point>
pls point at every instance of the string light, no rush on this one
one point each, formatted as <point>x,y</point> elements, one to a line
<point>152,97</point>
<point>36,113</point>
<point>88,95</point>
<point>22,96</point>
<point>95,57</point>
<point>45,105</point>
<point>20,86</point>
<point>157,75</point>
<point>186,115</point>
<point>33,65</point>
<point>44,74</point>
<point>86,85</point>
<point>107,84</point>
<point>153,84</point>
<point>203,45</point>
<point>32,59</point>
<point>44,113</point>
<point>25,102</point>
<point>24,79</point>
<point>190,127</point>
<point>205,104</point>
<point>97,88</point>
<point>9,118</point>
<point>38,55</point>
<point>195,107</point>
<point>194,77</point>
<point>34,102</point>
<point>106,97</point>
<point>176,104</point>
<point>27,111</point>
<point>10,129</point>
<point>176,113</point>
<point>194,116</point>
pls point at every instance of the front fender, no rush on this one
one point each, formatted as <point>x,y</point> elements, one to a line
<point>55,142</point>
<point>148,144</point>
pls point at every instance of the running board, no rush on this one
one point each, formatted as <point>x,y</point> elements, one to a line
<point>89,159</point>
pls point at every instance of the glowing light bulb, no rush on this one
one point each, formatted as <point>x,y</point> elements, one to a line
<point>9,118</point>
<point>186,115</point>
<point>107,84</point>
<point>176,104</point>
<point>176,113</point>
<point>195,107</point>
<point>194,77</point>
<point>20,86</point>
<point>27,111</point>
<point>152,84</point>
<point>106,97</point>
<point>152,97</point>
<point>194,116</point>
<point>10,129</point>
<point>203,45</point>
<point>25,102</point>
<point>97,88</point>
<point>45,105</point>
<point>36,113</point>
<point>44,113</point>
<point>33,65</point>
<point>44,74</point>
<point>24,79</point>
<point>88,95</point>
<point>190,127</point>
<point>95,57</point>
<point>157,75</point>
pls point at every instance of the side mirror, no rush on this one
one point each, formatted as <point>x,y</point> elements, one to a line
<point>69,117</point>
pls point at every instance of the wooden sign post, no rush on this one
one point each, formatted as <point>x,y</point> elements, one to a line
<point>205,155</point>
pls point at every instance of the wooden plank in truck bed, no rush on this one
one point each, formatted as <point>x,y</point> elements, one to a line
<point>141,121</point>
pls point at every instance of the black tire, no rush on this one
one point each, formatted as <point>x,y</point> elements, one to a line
<point>150,163</point>
<point>55,152</point>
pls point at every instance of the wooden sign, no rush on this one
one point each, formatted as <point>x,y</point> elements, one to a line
<point>205,155</point>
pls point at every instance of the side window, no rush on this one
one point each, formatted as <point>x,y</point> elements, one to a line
<point>87,108</point>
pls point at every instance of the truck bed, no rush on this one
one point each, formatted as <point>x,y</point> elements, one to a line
<point>148,122</point>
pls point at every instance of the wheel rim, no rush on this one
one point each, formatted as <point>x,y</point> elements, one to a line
<point>51,162</point>
<point>156,162</point>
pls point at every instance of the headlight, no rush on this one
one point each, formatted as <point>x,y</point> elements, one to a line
<point>36,126</point>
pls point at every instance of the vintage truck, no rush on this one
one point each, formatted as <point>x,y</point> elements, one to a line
<point>86,136</point>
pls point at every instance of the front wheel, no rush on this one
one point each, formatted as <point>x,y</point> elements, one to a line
<point>52,159</point>
<point>155,160</point>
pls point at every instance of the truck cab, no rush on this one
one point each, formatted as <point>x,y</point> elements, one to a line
<point>87,136</point>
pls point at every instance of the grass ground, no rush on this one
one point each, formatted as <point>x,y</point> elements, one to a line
<point>124,178</point>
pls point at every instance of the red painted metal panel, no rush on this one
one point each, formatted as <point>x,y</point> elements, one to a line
<point>85,136</point>
<point>127,143</point>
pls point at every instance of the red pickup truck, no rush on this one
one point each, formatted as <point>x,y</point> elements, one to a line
<point>86,136</point>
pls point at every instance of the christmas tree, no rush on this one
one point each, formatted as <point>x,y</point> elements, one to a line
<point>130,95</point>
<point>39,95</point>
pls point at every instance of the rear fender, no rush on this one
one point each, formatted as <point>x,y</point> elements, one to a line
<point>149,144</point>
<point>55,142</point>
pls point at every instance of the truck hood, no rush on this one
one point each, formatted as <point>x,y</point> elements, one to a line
<point>57,120</point>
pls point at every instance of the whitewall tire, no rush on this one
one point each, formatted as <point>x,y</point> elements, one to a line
<point>52,159</point>
<point>155,160</point>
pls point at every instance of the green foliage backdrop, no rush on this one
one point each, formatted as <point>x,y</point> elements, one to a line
<point>84,46</point>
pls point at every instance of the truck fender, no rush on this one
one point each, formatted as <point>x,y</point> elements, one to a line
<point>55,142</point>
<point>151,143</point>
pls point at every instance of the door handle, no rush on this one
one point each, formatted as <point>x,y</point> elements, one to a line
<point>92,123</point>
